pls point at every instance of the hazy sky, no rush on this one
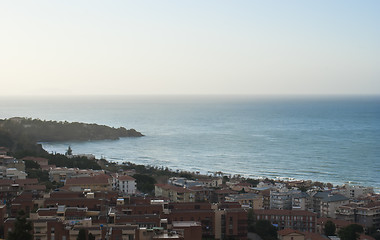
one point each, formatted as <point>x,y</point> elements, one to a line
<point>190,47</point>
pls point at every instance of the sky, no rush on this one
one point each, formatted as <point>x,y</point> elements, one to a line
<point>242,47</point>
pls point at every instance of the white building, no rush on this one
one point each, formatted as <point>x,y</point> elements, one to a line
<point>13,173</point>
<point>282,198</point>
<point>124,184</point>
<point>353,191</point>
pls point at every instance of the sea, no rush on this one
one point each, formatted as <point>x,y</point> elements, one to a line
<point>333,139</point>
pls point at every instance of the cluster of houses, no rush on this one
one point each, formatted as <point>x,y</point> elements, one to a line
<point>108,206</point>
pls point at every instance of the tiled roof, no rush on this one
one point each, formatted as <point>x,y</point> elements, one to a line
<point>125,178</point>
<point>288,231</point>
<point>35,187</point>
<point>5,182</point>
<point>27,181</point>
<point>173,188</point>
<point>337,222</point>
<point>372,205</point>
<point>328,197</point>
<point>98,179</point>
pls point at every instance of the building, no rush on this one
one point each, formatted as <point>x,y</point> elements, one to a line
<point>291,234</point>
<point>249,200</point>
<point>369,215</point>
<point>124,184</point>
<point>354,192</point>
<point>13,173</point>
<point>173,193</point>
<point>326,203</point>
<point>295,219</point>
<point>302,201</point>
<point>96,183</point>
<point>281,198</point>
<point>60,174</point>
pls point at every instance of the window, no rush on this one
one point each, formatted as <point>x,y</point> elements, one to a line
<point>52,230</point>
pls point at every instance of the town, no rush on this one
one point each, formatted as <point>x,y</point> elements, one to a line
<point>128,201</point>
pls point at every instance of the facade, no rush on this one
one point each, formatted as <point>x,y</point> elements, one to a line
<point>326,203</point>
<point>13,173</point>
<point>354,192</point>
<point>301,201</point>
<point>369,215</point>
<point>249,200</point>
<point>298,220</point>
<point>282,198</point>
<point>173,193</point>
<point>124,184</point>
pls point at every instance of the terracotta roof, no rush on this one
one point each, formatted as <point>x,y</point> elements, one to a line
<point>372,205</point>
<point>35,187</point>
<point>27,181</point>
<point>98,179</point>
<point>173,188</point>
<point>338,222</point>
<point>6,182</point>
<point>288,231</point>
<point>125,178</point>
<point>224,191</point>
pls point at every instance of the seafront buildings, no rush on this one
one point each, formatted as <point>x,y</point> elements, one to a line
<point>109,205</point>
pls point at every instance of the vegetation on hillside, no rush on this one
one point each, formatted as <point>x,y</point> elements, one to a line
<point>37,130</point>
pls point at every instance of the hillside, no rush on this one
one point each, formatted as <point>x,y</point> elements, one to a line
<point>23,133</point>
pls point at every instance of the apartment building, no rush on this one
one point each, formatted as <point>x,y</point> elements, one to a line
<point>295,219</point>
<point>281,198</point>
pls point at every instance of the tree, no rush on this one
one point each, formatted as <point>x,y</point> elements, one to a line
<point>351,232</point>
<point>69,151</point>
<point>81,234</point>
<point>144,183</point>
<point>22,228</point>
<point>91,237</point>
<point>330,228</point>
<point>251,221</point>
<point>266,230</point>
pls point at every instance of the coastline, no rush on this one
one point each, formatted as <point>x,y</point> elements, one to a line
<point>231,174</point>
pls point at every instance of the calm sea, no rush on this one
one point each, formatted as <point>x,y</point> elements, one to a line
<point>329,139</point>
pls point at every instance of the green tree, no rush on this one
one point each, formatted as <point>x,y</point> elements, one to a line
<point>81,234</point>
<point>69,151</point>
<point>351,232</point>
<point>251,221</point>
<point>266,230</point>
<point>22,228</point>
<point>31,165</point>
<point>330,228</point>
<point>144,183</point>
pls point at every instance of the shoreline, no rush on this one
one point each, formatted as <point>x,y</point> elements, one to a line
<point>280,179</point>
